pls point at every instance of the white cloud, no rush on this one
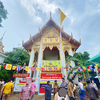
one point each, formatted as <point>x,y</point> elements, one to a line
<point>42,5</point>
<point>68,13</point>
<point>45,6</point>
<point>30,9</point>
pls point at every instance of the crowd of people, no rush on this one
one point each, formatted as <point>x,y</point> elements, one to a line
<point>68,91</point>
<point>27,91</point>
<point>64,91</point>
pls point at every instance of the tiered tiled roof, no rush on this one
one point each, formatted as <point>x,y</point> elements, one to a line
<point>48,24</point>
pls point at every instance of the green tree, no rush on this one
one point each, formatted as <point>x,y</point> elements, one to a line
<point>3,13</point>
<point>79,59</point>
<point>18,56</point>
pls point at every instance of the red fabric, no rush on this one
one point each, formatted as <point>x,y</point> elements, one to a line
<point>41,90</point>
<point>88,66</point>
<point>83,70</point>
<point>4,66</point>
<point>99,69</point>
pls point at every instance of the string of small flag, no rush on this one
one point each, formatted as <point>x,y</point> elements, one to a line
<point>90,68</point>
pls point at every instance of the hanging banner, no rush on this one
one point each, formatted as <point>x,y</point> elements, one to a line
<point>50,63</point>
<point>21,75</point>
<point>51,71</point>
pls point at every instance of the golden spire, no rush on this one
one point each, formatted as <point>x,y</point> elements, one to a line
<point>80,40</point>
<point>39,29</point>
<point>71,34</point>
<point>22,42</point>
<point>30,36</point>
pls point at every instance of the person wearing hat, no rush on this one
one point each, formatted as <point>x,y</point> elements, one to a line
<point>25,92</point>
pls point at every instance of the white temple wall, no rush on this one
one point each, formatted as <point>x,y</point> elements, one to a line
<point>2,58</point>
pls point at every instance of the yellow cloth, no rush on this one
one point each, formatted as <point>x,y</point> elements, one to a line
<point>7,87</point>
<point>84,67</point>
<point>26,68</point>
<point>62,16</point>
<point>74,87</point>
<point>89,70</point>
<point>8,66</point>
<point>96,67</point>
<point>14,67</point>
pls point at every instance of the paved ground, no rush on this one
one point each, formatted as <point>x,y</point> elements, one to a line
<point>36,97</point>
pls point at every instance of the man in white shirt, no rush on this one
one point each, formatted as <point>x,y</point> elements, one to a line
<point>80,84</point>
<point>81,91</point>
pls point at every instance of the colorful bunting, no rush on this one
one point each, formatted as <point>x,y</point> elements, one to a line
<point>14,67</point>
<point>26,68</point>
<point>92,68</point>
<point>18,67</point>
<point>8,66</point>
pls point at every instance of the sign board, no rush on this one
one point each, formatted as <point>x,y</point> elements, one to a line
<point>42,87</point>
<point>51,80</point>
<point>21,75</point>
<point>50,63</point>
<point>51,71</point>
<point>19,82</point>
<point>51,76</point>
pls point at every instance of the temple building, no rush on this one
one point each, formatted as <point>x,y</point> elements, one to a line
<point>2,56</point>
<point>44,49</point>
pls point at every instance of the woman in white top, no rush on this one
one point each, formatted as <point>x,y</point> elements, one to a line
<point>61,94</point>
<point>81,90</point>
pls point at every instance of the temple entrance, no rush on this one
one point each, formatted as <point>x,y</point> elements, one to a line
<point>51,54</point>
<point>66,54</point>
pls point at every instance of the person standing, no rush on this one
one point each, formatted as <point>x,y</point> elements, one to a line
<point>81,91</point>
<point>70,90</point>
<point>25,92</point>
<point>33,87</point>
<point>64,84</point>
<point>55,87</point>
<point>7,88</point>
<point>48,91</point>
<point>2,84</point>
<point>91,91</point>
<point>95,86</point>
<point>74,90</point>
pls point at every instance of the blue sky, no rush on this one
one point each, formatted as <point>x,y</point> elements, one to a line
<point>26,16</point>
